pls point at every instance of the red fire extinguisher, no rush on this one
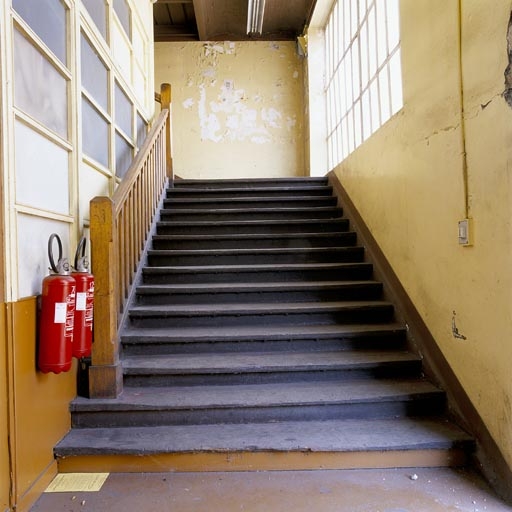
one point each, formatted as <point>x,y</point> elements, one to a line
<point>57,315</point>
<point>82,338</point>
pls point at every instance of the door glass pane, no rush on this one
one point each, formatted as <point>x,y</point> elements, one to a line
<point>94,133</point>
<point>94,73</point>
<point>124,153</point>
<point>97,11</point>
<point>123,112</point>
<point>47,18</point>
<point>39,89</point>
<point>123,13</point>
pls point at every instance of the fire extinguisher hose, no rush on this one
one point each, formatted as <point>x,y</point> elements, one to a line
<point>80,251</point>
<point>54,236</point>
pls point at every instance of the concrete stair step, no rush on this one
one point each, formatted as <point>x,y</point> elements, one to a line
<point>266,367</point>
<point>240,190</point>
<point>257,273</point>
<point>330,436</point>
<point>252,214</point>
<point>258,292</point>
<point>255,256</point>
<point>252,183</point>
<point>141,341</point>
<point>203,315</point>
<point>264,227</point>
<point>247,241</point>
<point>193,405</point>
<point>250,202</point>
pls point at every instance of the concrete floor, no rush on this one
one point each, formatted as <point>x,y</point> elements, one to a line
<point>390,490</point>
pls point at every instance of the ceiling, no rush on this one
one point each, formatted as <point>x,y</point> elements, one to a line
<point>226,20</point>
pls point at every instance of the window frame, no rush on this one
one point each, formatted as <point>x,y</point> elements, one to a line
<point>358,73</point>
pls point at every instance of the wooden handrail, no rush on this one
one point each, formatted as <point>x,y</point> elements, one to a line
<point>119,229</point>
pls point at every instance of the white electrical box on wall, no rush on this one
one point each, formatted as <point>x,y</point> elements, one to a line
<point>466,232</point>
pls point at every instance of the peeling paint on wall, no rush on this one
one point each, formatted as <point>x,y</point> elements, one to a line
<point>233,98</point>
<point>226,113</point>
<point>188,103</point>
<point>227,117</point>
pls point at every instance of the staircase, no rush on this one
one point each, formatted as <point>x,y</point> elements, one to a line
<point>258,339</point>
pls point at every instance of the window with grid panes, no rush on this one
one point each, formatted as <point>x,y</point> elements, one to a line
<point>363,72</point>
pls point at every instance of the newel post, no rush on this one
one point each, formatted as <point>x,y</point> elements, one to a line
<point>105,373</point>
<point>165,95</point>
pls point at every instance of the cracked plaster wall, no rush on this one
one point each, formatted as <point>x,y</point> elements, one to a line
<point>237,107</point>
<point>408,182</point>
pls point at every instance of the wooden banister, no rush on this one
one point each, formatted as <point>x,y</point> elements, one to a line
<point>166,99</point>
<point>119,228</point>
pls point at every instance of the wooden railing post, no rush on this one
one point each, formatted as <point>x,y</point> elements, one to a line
<point>165,99</point>
<point>105,373</point>
<point>119,229</point>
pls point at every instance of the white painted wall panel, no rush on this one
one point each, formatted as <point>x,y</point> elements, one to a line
<point>33,235</point>
<point>92,184</point>
<point>121,50</point>
<point>42,176</point>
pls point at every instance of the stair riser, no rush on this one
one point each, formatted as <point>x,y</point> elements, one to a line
<point>250,228</point>
<point>248,215</point>
<point>251,183</point>
<point>401,369</point>
<point>363,292</point>
<point>338,240</point>
<point>350,273</point>
<point>178,204</point>
<point>430,404</point>
<point>345,255</point>
<point>248,192</point>
<point>367,315</point>
<point>135,346</point>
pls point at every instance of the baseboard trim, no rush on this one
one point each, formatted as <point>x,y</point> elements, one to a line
<point>27,500</point>
<point>488,457</point>
<point>261,461</point>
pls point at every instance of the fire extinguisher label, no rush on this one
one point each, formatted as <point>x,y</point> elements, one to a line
<point>81,301</point>
<point>60,313</point>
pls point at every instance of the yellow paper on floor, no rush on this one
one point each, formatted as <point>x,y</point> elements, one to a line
<point>77,482</point>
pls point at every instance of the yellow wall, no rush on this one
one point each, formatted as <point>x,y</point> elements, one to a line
<point>4,426</point>
<point>407,181</point>
<point>237,107</point>
<point>40,402</point>
<point>34,407</point>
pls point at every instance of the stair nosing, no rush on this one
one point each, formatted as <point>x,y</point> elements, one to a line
<point>241,286</point>
<point>249,396</point>
<point>268,222</point>
<point>348,435</point>
<point>254,236</point>
<point>265,362</point>
<point>250,199</point>
<point>255,268</point>
<point>229,309</point>
<point>206,190</point>
<point>226,211</point>
<point>190,335</point>
<point>264,250</point>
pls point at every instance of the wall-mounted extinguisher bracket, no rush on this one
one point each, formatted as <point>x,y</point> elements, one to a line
<point>83,328</point>
<point>57,314</point>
